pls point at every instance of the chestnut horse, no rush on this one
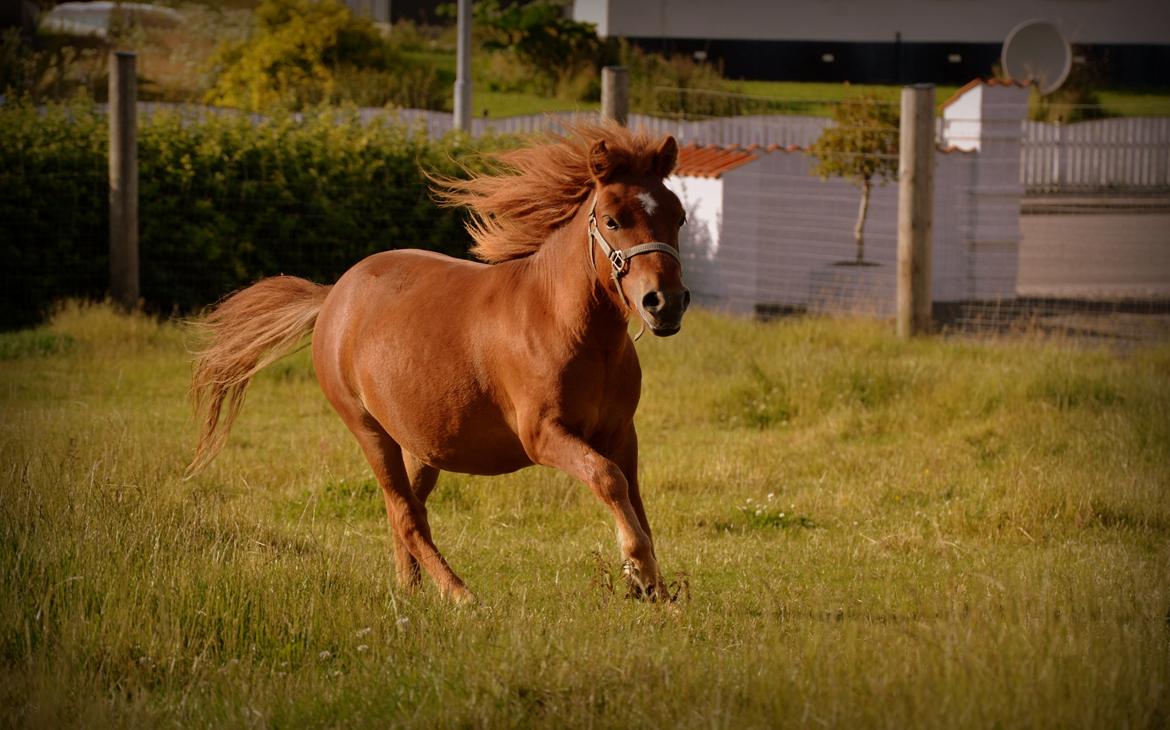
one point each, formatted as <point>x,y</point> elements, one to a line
<point>436,363</point>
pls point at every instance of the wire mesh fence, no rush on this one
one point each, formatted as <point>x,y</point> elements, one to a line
<point>767,237</point>
<point>1006,258</point>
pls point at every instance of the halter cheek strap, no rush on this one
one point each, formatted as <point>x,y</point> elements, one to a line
<point>619,259</point>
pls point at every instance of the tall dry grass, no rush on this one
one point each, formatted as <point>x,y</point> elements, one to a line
<point>939,533</point>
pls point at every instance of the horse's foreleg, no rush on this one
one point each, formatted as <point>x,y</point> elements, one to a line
<point>556,447</point>
<point>408,515</point>
<point>422,482</point>
<point>626,457</point>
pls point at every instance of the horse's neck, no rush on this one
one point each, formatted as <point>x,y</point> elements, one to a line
<point>583,307</point>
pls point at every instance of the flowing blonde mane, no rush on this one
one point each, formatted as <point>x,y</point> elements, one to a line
<point>530,192</point>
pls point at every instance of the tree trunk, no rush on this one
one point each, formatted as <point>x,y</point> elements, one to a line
<point>859,229</point>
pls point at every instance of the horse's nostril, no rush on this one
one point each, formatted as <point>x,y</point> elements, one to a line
<point>686,299</point>
<point>652,302</point>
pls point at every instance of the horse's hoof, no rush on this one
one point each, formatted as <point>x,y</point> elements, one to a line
<point>654,590</point>
<point>460,596</point>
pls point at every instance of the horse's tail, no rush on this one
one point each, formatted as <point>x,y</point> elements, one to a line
<point>244,334</point>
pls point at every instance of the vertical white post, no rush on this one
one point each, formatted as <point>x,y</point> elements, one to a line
<point>463,68</point>
<point>615,94</point>
<point>123,158</point>
<point>915,206</point>
<point>1061,157</point>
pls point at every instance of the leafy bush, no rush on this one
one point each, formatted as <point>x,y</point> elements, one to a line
<point>553,50</point>
<point>679,87</point>
<point>1075,101</point>
<point>224,200</point>
<point>304,52</point>
<point>48,68</point>
<point>53,204</point>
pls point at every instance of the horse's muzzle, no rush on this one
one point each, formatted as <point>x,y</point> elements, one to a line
<point>663,310</point>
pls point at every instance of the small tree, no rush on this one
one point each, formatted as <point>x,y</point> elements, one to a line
<point>551,46</point>
<point>861,144</point>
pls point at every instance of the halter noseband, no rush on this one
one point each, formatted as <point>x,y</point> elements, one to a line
<point>619,259</point>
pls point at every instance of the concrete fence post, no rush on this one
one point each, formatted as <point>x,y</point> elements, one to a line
<point>915,206</point>
<point>123,118</point>
<point>615,94</point>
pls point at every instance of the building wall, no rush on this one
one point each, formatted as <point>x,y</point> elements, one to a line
<point>699,239</point>
<point>784,235</point>
<point>918,21</point>
<point>993,229</point>
<point>769,235</point>
<point>887,41</point>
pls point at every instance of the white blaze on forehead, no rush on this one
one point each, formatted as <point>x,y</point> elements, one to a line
<point>648,202</point>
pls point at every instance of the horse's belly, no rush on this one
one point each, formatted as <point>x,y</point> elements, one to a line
<point>487,462</point>
<point>465,441</point>
<point>439,412</point>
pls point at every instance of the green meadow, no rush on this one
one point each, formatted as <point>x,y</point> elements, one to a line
<point>864,533</point>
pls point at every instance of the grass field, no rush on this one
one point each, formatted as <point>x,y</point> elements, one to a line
<point>806,98</point>
<point>802,97</point>
<point>875,534</point>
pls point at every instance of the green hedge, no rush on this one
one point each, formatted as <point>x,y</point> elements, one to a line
<point>224,200</point>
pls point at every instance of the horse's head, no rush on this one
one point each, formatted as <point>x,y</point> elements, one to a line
<point>634,222</point>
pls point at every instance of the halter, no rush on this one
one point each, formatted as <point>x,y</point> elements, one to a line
<point>619,259</point>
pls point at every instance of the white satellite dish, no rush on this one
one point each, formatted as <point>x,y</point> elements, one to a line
<point>1036,51</point>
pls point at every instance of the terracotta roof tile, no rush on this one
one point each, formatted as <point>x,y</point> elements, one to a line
<point>951,149</point>
<point>975,82</point>
<point>711,161</point>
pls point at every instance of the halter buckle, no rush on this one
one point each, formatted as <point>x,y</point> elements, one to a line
<point>617,259</point>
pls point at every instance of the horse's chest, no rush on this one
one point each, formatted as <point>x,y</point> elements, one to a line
<point>598,396</point>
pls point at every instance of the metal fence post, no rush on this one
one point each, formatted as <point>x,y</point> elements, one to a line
<point>915,206</point>
<point>615,94</point>
<point>124,281</point>
<point>463,67</point>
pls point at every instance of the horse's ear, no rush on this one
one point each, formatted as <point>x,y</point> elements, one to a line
<point>600,164</point>
<point>666,157</point>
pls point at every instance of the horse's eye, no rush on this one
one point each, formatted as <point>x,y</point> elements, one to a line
<point>611,224</point>
<point>682,222</point>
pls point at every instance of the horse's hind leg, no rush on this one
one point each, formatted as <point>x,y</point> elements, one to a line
<point>407,514</point>
<point>422,482</point>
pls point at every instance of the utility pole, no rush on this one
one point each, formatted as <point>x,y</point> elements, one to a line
<point>463,68</point>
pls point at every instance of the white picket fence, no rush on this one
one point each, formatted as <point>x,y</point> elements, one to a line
<point>1129,153</point>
